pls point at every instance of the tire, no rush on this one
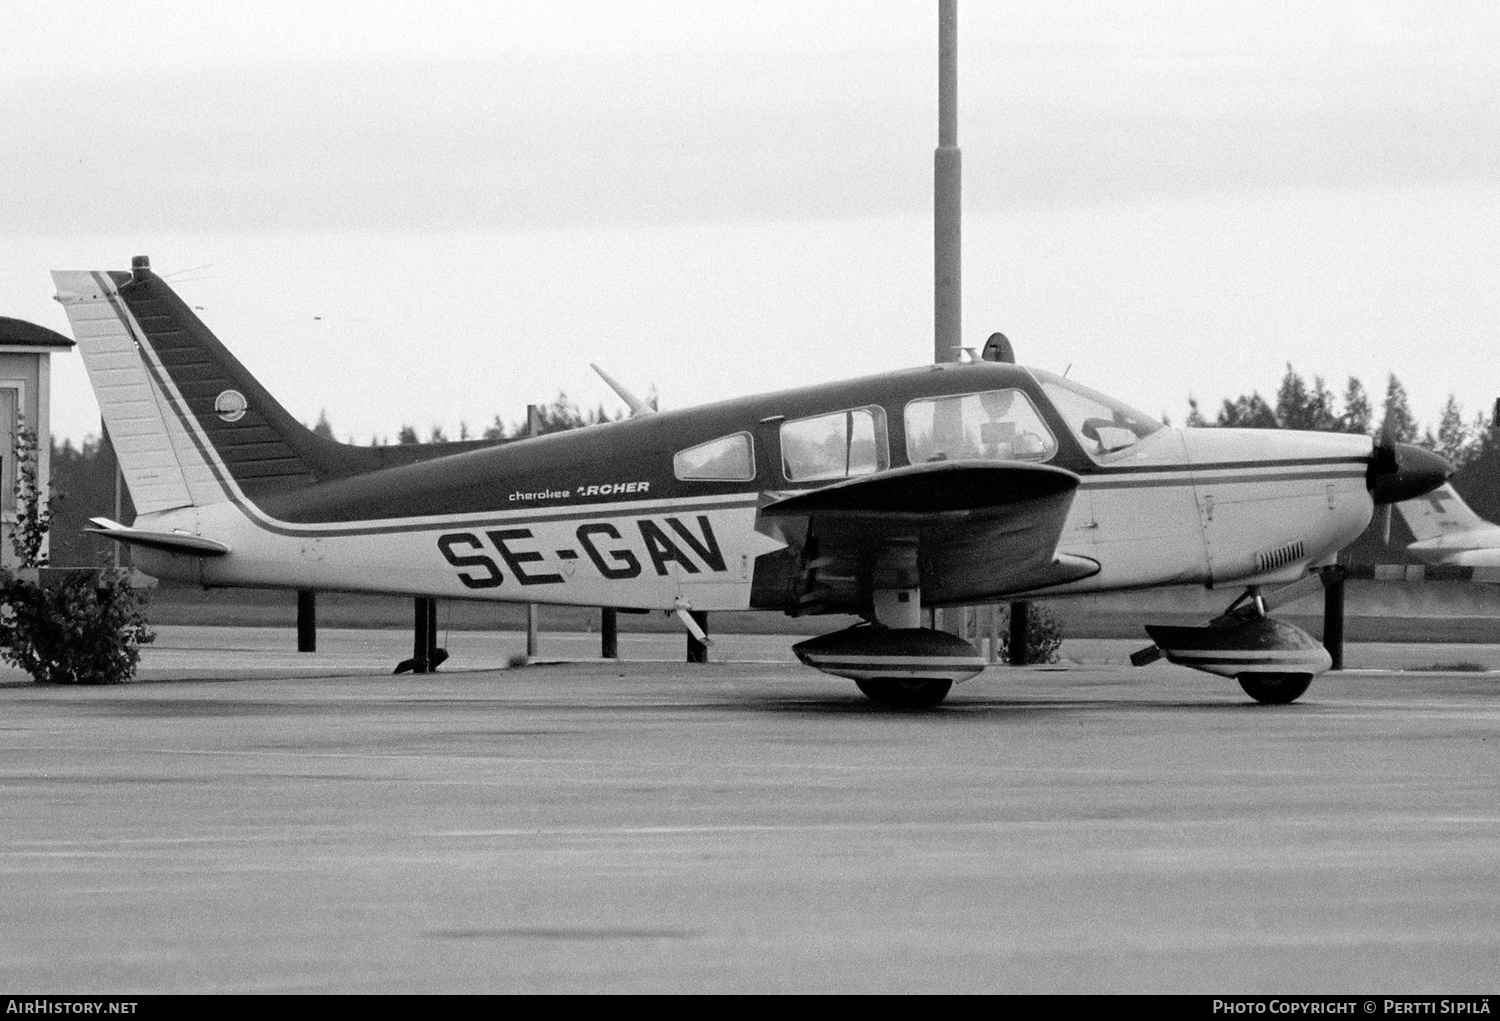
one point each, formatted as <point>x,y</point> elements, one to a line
<point>1275,689</point>
<point>906,692</point>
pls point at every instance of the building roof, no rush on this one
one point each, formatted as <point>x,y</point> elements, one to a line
<point>20,333</point>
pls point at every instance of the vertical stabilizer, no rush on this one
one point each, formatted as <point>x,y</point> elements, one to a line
<point>133,408</point>
<point>1441,512</point>
<point>191,425</point>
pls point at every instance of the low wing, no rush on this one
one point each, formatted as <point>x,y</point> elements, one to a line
<point>170,542</point>
<point>965,531</point>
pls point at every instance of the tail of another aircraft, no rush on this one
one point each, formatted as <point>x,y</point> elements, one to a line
<point>190,425</point>
<point>1440,512</point>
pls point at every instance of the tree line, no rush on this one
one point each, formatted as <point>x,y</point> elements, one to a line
<point>563,413</point>
<point>1312,406</point>
<point>83,477</point>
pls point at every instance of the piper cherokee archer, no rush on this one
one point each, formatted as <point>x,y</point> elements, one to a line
<point>943,485</point>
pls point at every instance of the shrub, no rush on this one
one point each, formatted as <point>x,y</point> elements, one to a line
<point>1043,638</point>
<point>87,627</point>
<point>63,627</point>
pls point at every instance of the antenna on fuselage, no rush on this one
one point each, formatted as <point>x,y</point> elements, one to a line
<point>634,403</point>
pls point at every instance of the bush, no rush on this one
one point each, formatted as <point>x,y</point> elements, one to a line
<point>63,627</point>
<point>1044,636</point>
<point>85,628</point>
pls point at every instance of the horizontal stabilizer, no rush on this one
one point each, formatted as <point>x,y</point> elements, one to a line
<point>935,488</point>
<point>169,542</point>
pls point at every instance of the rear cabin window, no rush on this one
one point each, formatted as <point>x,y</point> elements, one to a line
<point>996,425</point>
<point>836,446</point>
<point>726,459</point>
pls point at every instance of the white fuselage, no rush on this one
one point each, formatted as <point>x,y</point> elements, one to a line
<point>1199,506</point>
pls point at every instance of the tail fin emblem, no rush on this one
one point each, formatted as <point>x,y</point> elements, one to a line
<point>230,405</point>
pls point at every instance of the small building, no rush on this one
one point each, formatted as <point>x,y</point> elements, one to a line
<point>26,351</point>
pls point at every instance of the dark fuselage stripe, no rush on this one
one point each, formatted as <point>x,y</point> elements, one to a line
<point>1217,480</point>
<point>1286,462</point>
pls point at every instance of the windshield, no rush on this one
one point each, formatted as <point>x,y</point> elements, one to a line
<point>1104,427</point>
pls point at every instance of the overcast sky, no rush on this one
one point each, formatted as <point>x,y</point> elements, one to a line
<point>434,212</point>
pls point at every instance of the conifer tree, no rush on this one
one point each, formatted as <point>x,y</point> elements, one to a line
<point>1356,416</point>
<point>1398,422</point>
<point>1453,439</point>
<point>1195,419</point>
<point>1247,413</point>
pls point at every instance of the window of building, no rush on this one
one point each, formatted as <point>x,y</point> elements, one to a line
<point>10,403</point>
<point>836,446</point>
<point>997,425</point>
<point>726,459</point>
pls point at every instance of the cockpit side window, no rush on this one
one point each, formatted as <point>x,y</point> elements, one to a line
<point>726,459</point>
<point>836,446</point>
<point>996,425</point>
<point>1105,427</point>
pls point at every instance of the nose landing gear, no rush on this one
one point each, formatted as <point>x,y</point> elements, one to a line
<point>1274,661</point>
<point>1275,689</point>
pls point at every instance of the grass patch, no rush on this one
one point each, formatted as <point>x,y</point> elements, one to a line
<point>1452,668</point>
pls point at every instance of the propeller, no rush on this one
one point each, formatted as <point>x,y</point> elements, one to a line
<point>1402,471</point>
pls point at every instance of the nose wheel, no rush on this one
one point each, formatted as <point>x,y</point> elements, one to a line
<point>1275,689</point>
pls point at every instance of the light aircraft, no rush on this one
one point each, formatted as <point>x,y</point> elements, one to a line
<point>1448,532</point>
<point>942,485</point>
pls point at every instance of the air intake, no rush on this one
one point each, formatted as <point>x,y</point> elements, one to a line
<point>1278,557</point>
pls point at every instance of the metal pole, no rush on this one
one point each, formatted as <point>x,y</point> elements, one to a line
<point>419,636</point>
<point>1333,615</point>
<point>994,632</point>
<point>609,632</point>
<point>1020,632</point>
<point>946,211</point>
<point>307,621</point>
<point>533,425</point>
<point>947,304</point>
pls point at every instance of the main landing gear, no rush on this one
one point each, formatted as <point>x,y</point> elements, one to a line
<point>906,692</point>
<point>895,662</point>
